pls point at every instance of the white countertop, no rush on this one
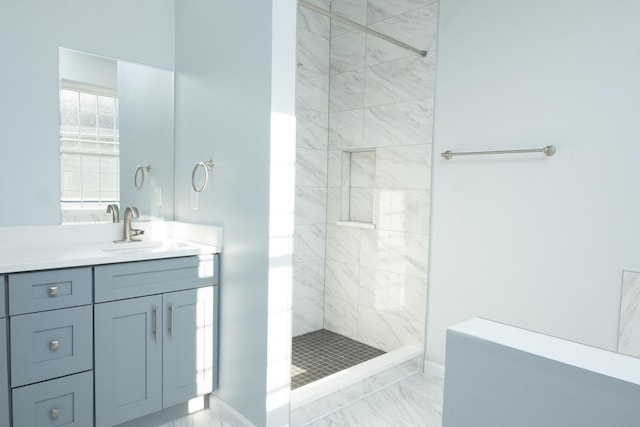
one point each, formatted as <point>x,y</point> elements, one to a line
<point>59,246</point>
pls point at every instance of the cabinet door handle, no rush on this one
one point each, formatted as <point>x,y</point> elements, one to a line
<point>55,413</point>
<point>53,291</point>
<point>53,345</point>
<point>171,314</point>
<point>155,322</point>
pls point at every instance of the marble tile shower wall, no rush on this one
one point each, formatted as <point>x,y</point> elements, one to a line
<point>629,329</point>
<point>355,91</point>
<point>312,108</point>
<point>380,99</point>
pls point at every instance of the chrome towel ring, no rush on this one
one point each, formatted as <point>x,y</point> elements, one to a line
<point>206,166</point>
<point>140,172</point>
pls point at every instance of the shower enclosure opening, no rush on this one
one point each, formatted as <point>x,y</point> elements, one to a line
<point>364,120</point>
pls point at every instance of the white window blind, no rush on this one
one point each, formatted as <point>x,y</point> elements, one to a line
<point>89,152</point>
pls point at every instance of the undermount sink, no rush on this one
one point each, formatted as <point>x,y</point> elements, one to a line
<point>143,244</point>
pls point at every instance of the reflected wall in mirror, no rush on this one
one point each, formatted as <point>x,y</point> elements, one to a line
<point>115,118</point>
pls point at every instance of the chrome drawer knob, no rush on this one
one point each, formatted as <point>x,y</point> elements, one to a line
<point>55,413</point>
<point>53,345</point>
<point>53,291</point>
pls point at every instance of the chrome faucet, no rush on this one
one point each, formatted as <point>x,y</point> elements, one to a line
<point>114,211</point>
<point>129,213</point>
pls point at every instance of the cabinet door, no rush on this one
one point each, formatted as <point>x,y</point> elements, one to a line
<point>128,359</point>
<point>188,344</point>
<point>4,380</point>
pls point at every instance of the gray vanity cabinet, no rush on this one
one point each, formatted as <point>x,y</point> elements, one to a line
<point>107,344</point>
<point>154,351</point>
<point>4,380</point>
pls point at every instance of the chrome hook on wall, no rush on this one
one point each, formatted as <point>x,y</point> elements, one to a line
<point>206,166</point>
<point>140,170</point>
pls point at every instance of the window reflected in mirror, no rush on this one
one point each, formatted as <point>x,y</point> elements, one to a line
<point>89,137</point>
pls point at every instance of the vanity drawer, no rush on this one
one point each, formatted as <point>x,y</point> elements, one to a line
<point>65,402</point>
<point>51,344</point>
<point>140,278</point>
<point>49,289</point>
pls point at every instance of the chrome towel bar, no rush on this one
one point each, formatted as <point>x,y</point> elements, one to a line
<point>549,150</point>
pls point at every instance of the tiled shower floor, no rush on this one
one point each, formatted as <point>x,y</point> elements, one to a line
<point>321,353</point>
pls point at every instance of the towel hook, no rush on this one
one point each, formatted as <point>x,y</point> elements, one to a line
<point>206,166</point>
<point>140,169</point>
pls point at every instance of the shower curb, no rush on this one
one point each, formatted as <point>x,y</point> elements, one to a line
<point>323,397</point>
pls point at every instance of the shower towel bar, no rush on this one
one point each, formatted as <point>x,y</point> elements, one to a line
<point>361,27</point>
<point>549,150</point>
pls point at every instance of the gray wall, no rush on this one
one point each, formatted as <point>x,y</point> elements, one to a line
<point>535,242</point>
<point>223,111</point>
<point>146,100</point>
<point>30,33</point>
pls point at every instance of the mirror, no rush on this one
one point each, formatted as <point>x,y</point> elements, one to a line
<point>116,137</point>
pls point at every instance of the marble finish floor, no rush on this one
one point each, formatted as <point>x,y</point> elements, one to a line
<point>210,417</point>
<point>413,402</point>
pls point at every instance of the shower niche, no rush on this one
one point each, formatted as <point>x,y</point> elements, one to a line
<point>357,188</point>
